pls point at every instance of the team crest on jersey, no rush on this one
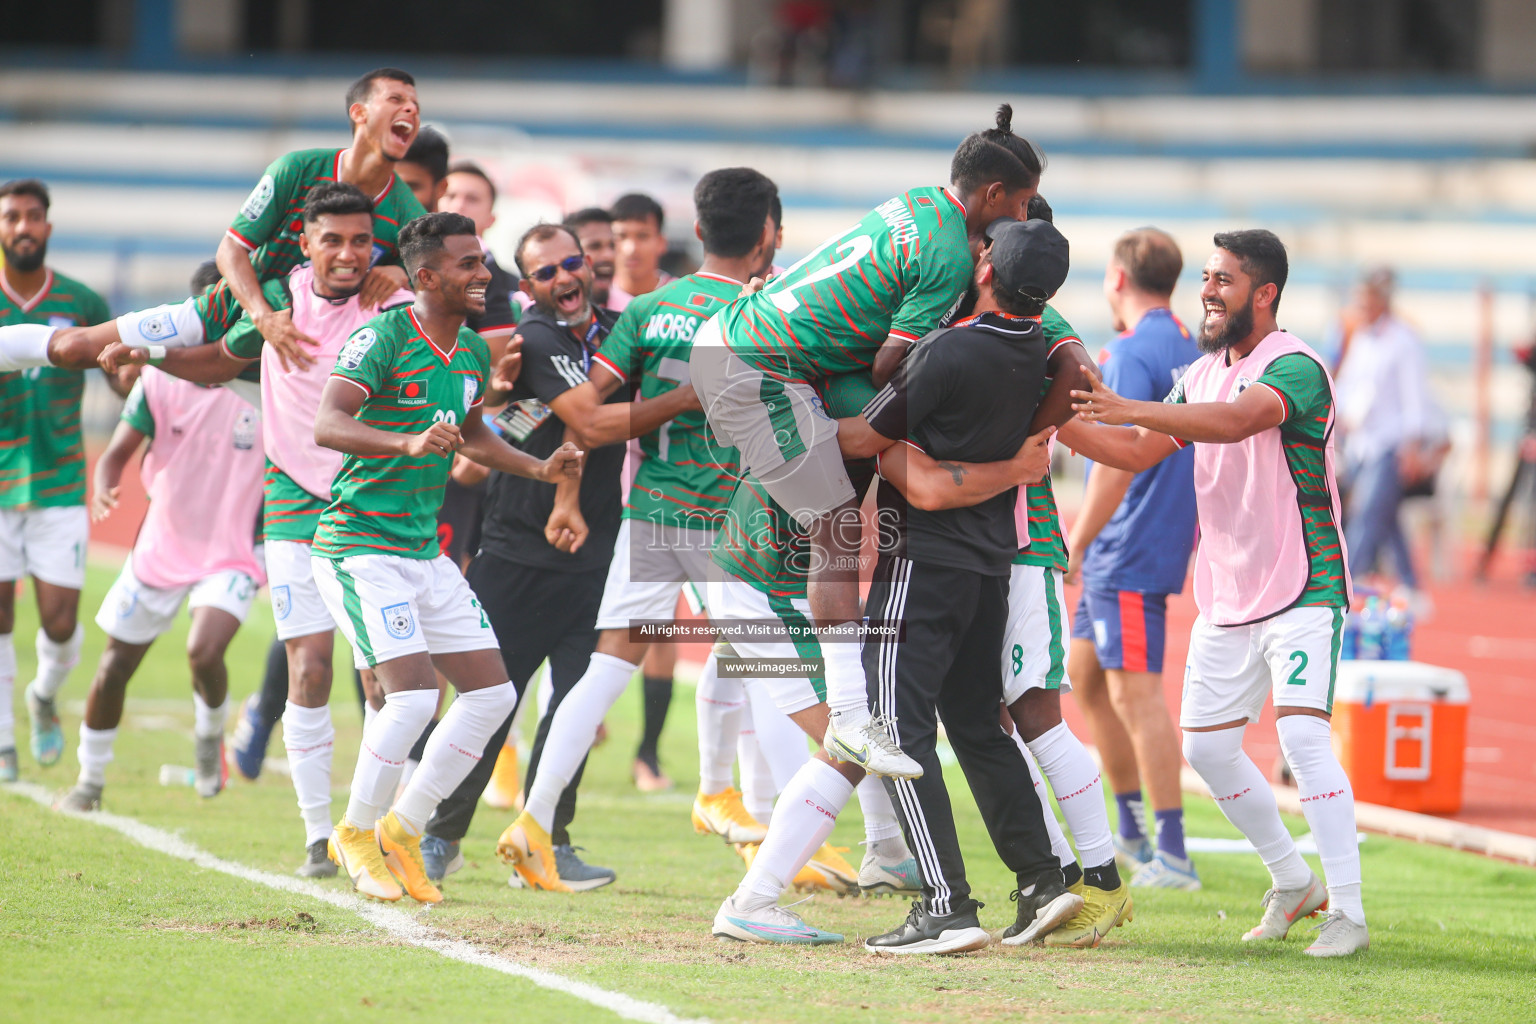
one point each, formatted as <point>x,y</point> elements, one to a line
<point>282,601</point>
<point>58,320</point>
<point>127,603</point>
<point>412,391</point>
<point>260,198</point>
<point>245,429</point>
<point>379,252</point>
<point>157,327</point>
<point>1243,383</point>
<point>351,355</point>
<point>399,621</point>
<point>469,393</point>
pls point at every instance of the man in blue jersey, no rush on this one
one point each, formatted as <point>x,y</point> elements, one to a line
<point>1131,544</point>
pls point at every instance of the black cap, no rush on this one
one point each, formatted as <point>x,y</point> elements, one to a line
<point>1030,258</point>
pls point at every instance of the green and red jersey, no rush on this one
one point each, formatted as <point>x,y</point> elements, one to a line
<point>687,477</point>
<point>42,458</point>
<point>272,218</point>
<point>388,504</point>
<point>1047,547</point>
<point>897,272</point>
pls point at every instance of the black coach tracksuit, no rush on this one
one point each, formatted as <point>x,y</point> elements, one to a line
<point>541,602</point>
<point>966,394</point>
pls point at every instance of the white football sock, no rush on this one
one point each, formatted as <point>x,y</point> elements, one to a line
<point>757,788</point>
<point>1243,795</point>
<point>310,739</point>
<point>718,704</point>
<point>801,823</point>
<point>573,730</point>
<point>781,741</point>
<point>1059,845</point>
<point>1328,801</point>
<point>1079,793</point>
<point>95,753</point>
<point>453,749</point>
<point>208,722</point>
<point>847,691</point>
<point>386,743</point>
<point>54,661</point>
<point>23,346</point>
<point>880,822</point>
<point>7,689</point>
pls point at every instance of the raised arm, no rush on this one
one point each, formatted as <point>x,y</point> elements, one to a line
<point>201,364</point>
<point>1257,409</point>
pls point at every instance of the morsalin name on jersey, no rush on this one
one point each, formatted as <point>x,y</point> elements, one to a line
<point>671,327</point>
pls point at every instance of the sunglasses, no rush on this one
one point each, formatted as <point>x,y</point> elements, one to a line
<point>571,264</point>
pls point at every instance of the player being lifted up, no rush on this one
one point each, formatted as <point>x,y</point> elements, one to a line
<point>43,522</point>
<point>322,300</point>
<point>405,395</point>
<point>855,303</point>
<point>680,492</point>
<point>1271,575</point>
<point>262,242</point>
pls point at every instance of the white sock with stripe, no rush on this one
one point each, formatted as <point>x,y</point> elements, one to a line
<point>573,730</point>
<point>1059,845</point>
<point>453,749</point>
<point>719,705</point>
<point>1328,801</point>
<point>802,821</point>
<point>386,743</point>
<point>55,661</point>
<point>1075,780</point>
<point>95,753</point>
<point>310,740</point>
<point>1243,795</point>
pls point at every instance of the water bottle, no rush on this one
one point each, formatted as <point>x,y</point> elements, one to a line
<point>177,775</point>
<point>1373,627</point>
<point>1399,634</point>
<point>1349,648</point>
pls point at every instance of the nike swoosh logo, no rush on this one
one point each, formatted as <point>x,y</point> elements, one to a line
<point>858,755</point>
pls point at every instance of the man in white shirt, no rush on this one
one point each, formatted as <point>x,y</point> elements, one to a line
<point>1384,410</point>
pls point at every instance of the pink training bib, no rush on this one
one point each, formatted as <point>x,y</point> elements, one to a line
<point>1251,558</point>
<point>203,473</point>
<point>290,398</point>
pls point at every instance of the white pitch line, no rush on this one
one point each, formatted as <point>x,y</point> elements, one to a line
<point>387,919</point>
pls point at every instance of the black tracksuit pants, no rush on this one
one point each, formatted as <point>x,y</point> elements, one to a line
<point>537,614</point>
<point>947,664</point>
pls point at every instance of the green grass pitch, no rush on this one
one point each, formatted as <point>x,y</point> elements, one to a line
<point>91,923</point>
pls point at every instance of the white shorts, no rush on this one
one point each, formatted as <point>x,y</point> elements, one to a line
<point>296,603</point>
<point>1294,656</point>
<point>136,613</point>
<point>652,563</point>
<point>175,325</point>
<point>389,607</point>
<point>48,543</point>
<point>1035,644</point>
<point>731,600</point>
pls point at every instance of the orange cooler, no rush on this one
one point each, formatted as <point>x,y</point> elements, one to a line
<point>1400,731</point>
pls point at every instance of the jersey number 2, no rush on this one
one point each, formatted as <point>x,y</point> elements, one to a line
<point>1300,657</point>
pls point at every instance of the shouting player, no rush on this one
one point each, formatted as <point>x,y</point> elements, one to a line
<point>262,243</point>
<point>321,298</point>
<point>197,544</point>
<point>404,396</point>
<point>43,522</point>
<point>1271,575</point>
<point>855,303</point>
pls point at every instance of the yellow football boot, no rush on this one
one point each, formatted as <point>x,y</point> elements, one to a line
<point>402,856</point>
<point>356,851</point>
<point>502,791</point>
<point>1103,911</point>
<point>828,870</point>
<point>724,815</point>
<point>526,846</point>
